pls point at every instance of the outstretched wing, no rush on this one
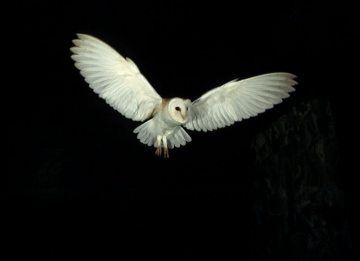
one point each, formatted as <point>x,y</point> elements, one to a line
<point>237,100</point>
<point>114,78</point>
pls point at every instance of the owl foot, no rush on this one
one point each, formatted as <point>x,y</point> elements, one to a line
<point>166,153</point>
<point>158,152</point>
<point>161,143</point>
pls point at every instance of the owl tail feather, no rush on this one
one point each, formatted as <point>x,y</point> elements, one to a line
<point>178,138</point>
<point>147,134</point>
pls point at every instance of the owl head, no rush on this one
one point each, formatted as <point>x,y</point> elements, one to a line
<point>179,109</point>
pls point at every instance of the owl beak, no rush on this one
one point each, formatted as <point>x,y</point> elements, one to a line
<point>183,115</point>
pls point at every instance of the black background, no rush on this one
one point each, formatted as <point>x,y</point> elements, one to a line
<point>78,177</point>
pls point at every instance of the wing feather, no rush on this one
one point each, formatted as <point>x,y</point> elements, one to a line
<point>238,100</point>
<point>114,78</point>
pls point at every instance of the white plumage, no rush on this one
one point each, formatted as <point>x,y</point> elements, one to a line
<point>120,83</point>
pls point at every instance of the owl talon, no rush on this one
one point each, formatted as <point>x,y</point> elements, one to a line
<point>158,151</point>
<point>166,153</point>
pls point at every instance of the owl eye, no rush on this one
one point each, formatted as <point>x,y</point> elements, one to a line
<point>177,108</point>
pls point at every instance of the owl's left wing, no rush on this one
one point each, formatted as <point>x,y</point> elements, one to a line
<point>114,78</point>
<point>237,100</point>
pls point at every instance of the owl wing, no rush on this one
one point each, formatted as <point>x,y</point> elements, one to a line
<point>238,100</point>
<point>114,78</point>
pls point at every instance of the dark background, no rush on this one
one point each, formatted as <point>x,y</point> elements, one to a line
<point>79,179</point>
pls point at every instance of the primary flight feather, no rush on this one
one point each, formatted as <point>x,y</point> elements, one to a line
<point>119,81</point>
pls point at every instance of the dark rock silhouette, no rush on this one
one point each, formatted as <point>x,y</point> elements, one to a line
<point>300,207</point>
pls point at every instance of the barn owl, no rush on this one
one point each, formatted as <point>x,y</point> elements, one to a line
<point>119,81</point>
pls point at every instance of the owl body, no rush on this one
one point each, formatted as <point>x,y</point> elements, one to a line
<point>164,129</point>
<point>119,81</point>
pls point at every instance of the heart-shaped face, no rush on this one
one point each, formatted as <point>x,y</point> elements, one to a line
<point>179,109</point>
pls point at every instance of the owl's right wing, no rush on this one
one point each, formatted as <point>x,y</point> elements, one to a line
<point>238,100</point>
<point>114,78</point>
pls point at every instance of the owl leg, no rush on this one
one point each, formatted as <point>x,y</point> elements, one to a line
<point>166,150</point>
<point>158,146</point>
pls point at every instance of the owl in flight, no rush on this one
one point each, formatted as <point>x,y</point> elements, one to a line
<point>119,81</point>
